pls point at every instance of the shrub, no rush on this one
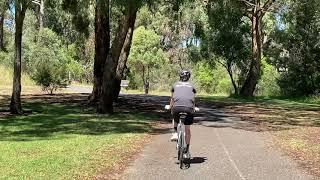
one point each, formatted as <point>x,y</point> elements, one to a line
<point>49,63</point>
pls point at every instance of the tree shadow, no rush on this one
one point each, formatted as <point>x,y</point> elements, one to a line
<point>258,115</point>
<point>250,115</point>
<point>60,116</point>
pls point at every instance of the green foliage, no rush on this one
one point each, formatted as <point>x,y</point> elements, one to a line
<point>228,38</point>
<point>6,58</point>
<point>211,79</point>
<point>171,35</point>
<point>204,76</point>
<point>268,84</point>
<point>49,63</point>
<point>76,11</point>
<point>295,50</point>
<point>146,53</point>
<point>145,47</point>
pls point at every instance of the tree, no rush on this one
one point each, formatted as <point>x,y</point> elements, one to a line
<point>122,64</point>
<point>3,8</point>
<point>102,46</point>
<point>146,54</point>
<point>255,10</point>
<point>111,64</point>
<point>227,39</point>
<point>40,12</point>
<point>20,11</point>
<point>295,51</point>
<point>52,64</point>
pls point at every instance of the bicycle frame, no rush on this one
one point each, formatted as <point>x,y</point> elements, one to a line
<point>181,143</point>
<point>181,133</point>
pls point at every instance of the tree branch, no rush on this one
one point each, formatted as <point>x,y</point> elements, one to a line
<point>248,15</point>
<point>267,5</point>
<point>224,65</point>
<point>249,4</point>
<point>36,2</point>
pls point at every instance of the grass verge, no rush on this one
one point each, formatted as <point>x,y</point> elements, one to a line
<point>63,139</point>
<point>6,77</point>
<point>303,145</point>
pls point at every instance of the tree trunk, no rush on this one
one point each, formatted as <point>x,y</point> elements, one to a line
<point>145,79</point>
<point>106,100</point>
<point>41,14</point>
<point>126,23</point>
<point>2,15</point>
<point>146,83</point>
<point>232,80</point>
<point>255,66</point>
<point>15,105</point>
<point>102,47</point>
<point>123,60</point>
<point>110,67</point>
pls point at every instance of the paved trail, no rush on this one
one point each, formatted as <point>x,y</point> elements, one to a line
<point>220,148</point>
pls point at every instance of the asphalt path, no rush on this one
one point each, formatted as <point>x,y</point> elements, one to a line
<point>221,149</point>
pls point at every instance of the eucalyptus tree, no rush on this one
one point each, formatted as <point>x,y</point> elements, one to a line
<point>146,54</point>
<point>227,40</point>
<point>255,10</point>
<point>3,9</point>
<point>20,8</point>
<point>295,48</point>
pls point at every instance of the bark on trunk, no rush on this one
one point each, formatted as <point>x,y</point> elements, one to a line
<point>232,80</point>
<point>15,105</point>
<point>106,100</point>
<point>123,60</point>
<point>102,48</point>
<point>2,15</point>
<point>255,67</point>
<point>110,67</point>
<point>119,41</point>
<point>41,14</point>
<point>145,80</point>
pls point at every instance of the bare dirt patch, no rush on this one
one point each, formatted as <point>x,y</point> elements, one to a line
<point>303,145</point>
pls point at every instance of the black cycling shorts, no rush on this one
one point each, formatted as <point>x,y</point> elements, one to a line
<point>179,109</point>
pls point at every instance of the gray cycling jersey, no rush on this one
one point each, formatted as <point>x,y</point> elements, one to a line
<point>183,94</point>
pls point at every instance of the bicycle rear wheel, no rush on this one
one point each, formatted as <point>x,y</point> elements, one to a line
<point>180,152</point>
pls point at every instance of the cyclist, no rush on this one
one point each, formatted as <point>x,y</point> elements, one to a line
<point>183,100</point>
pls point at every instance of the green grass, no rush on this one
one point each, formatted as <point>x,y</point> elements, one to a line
<point>6,77</point>
<point>66,141</point>
<point>282,101</point>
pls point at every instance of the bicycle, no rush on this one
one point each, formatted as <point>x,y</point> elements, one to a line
<point>181,143</point>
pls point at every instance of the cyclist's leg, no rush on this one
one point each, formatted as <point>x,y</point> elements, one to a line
<point>175,121</point>
<point>188,123</point>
